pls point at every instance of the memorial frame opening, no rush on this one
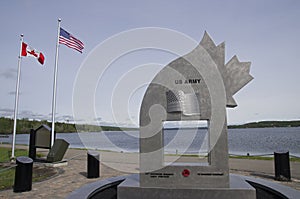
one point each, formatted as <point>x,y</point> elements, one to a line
<point>190,151</point>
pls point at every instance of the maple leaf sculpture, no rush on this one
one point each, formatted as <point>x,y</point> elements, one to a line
<point>235,73</point>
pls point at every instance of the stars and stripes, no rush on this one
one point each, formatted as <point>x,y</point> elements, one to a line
<point>70,41</point>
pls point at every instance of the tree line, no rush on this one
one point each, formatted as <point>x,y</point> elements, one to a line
<point>268,124</point>
<point>25,125</point>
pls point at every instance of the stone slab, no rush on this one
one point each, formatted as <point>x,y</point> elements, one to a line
<point>62,163</point>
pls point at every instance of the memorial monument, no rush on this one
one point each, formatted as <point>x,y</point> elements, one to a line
<point>198,86</point>
<point>194,88</point>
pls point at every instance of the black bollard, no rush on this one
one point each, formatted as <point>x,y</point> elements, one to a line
<point>282,166</point>
<point>32,148</point>
<point>23,174</point>
<point>93,164</point>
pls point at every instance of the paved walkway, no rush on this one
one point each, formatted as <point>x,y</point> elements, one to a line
<point>73,175</point>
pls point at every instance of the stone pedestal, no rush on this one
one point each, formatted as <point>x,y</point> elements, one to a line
<point>238,188</point>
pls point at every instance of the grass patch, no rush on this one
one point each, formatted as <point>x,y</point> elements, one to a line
<point>7,178</point>
<point>7,170</point>
<point>292,159</point>
<point>251,157</point>
<point>5,153</point>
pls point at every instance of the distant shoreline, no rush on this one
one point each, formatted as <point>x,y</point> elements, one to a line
<point>267,124</point>
<point>24,126</point>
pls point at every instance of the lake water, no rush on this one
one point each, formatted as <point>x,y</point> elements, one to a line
<point>241,141</point>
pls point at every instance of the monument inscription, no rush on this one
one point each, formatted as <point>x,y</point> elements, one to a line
<point>188,81</point>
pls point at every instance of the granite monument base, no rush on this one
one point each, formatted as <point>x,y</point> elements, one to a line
<point>239,188</point>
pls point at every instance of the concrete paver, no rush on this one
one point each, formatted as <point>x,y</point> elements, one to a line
<point>116,163</point>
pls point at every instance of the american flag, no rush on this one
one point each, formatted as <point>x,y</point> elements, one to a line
<point>70,41</point>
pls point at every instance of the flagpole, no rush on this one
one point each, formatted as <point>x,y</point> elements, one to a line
<point>17,100</point>
<point>54,85</point>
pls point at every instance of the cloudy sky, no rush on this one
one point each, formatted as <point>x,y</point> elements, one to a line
<point>263,32</point>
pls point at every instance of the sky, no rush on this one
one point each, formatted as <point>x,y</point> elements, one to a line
<point>266,33</point>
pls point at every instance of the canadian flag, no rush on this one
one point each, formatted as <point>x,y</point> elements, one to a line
<point>29,51</point>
